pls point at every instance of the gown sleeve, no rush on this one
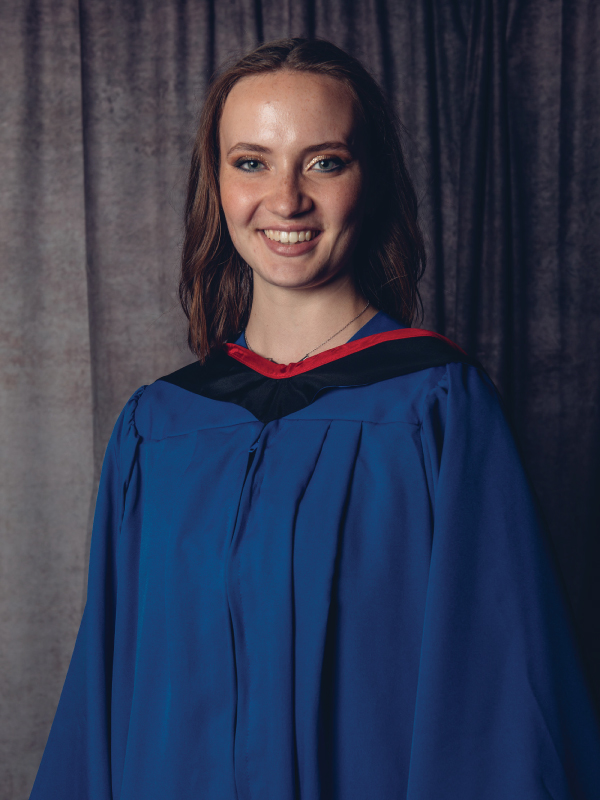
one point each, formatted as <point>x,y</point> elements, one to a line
<point>502,709</point>
<point>77,763</point>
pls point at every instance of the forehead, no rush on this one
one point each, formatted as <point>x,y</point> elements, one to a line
<point>288,108</point>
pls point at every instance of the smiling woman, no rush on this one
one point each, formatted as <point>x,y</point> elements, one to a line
<point>297,139</point>
<point>317,574</point>
<point>294,204</point>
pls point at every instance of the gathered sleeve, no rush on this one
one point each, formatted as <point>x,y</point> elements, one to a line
<point>77,759</point>
<point>502,707</point>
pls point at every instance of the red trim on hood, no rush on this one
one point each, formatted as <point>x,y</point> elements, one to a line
<point>272,370</point>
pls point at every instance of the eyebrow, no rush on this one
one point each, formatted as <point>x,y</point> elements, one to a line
<point>313,148</point>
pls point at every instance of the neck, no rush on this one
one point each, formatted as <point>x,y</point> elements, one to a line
<point>286,324</point>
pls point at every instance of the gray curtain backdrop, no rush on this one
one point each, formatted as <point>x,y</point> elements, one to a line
<point>99,104</point>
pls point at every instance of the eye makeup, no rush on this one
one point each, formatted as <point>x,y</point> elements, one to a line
<point>338,163</point>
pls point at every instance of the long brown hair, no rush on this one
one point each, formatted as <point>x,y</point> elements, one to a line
<point>216,283</point>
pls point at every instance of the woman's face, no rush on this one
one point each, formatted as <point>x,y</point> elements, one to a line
<point>292,176</point>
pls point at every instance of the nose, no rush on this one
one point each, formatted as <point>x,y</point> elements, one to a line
<point>288,196</point>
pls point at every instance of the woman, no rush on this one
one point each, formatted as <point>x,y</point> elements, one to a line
<point>317,570</point>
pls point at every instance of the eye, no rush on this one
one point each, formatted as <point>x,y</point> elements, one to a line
<point>249,165</point>
<point>327,164</point>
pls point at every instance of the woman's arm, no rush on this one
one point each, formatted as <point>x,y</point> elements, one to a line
<point>77,759</point>
<point>502,708</point>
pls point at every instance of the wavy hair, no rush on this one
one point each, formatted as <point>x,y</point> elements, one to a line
<point>215,288</point>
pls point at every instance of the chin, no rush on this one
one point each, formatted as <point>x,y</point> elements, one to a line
<point>289,277</point>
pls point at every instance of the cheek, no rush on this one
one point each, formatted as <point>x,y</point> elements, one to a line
<point>349,203</point>
<point>349,209</point>
<point>237,200</point>
<point>229,202</point>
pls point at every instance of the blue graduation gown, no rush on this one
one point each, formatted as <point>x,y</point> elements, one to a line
<point>351,600</point>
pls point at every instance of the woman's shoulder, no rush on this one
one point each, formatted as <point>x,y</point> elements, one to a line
<point>173,406</point>
<point>428,369</point>
<point>415,395</point>
<point>459,383</point>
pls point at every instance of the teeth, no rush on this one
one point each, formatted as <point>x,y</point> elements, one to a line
<point>289,237</point>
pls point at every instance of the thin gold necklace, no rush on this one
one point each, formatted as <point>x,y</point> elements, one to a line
<point>320,345</point>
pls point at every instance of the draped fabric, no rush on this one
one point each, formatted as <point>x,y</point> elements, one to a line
<point>338,590</point>
<point>100,101</point>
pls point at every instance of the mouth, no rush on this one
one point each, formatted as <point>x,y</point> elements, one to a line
<point>293,238</point>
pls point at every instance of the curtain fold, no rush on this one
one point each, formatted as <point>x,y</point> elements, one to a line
<point>46,465</point>
<point>100,103</point>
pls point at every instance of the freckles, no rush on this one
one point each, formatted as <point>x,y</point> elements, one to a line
<point>239,200</point>
<point>233,206</point>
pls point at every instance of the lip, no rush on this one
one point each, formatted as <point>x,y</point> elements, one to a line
<point>290,249</point>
